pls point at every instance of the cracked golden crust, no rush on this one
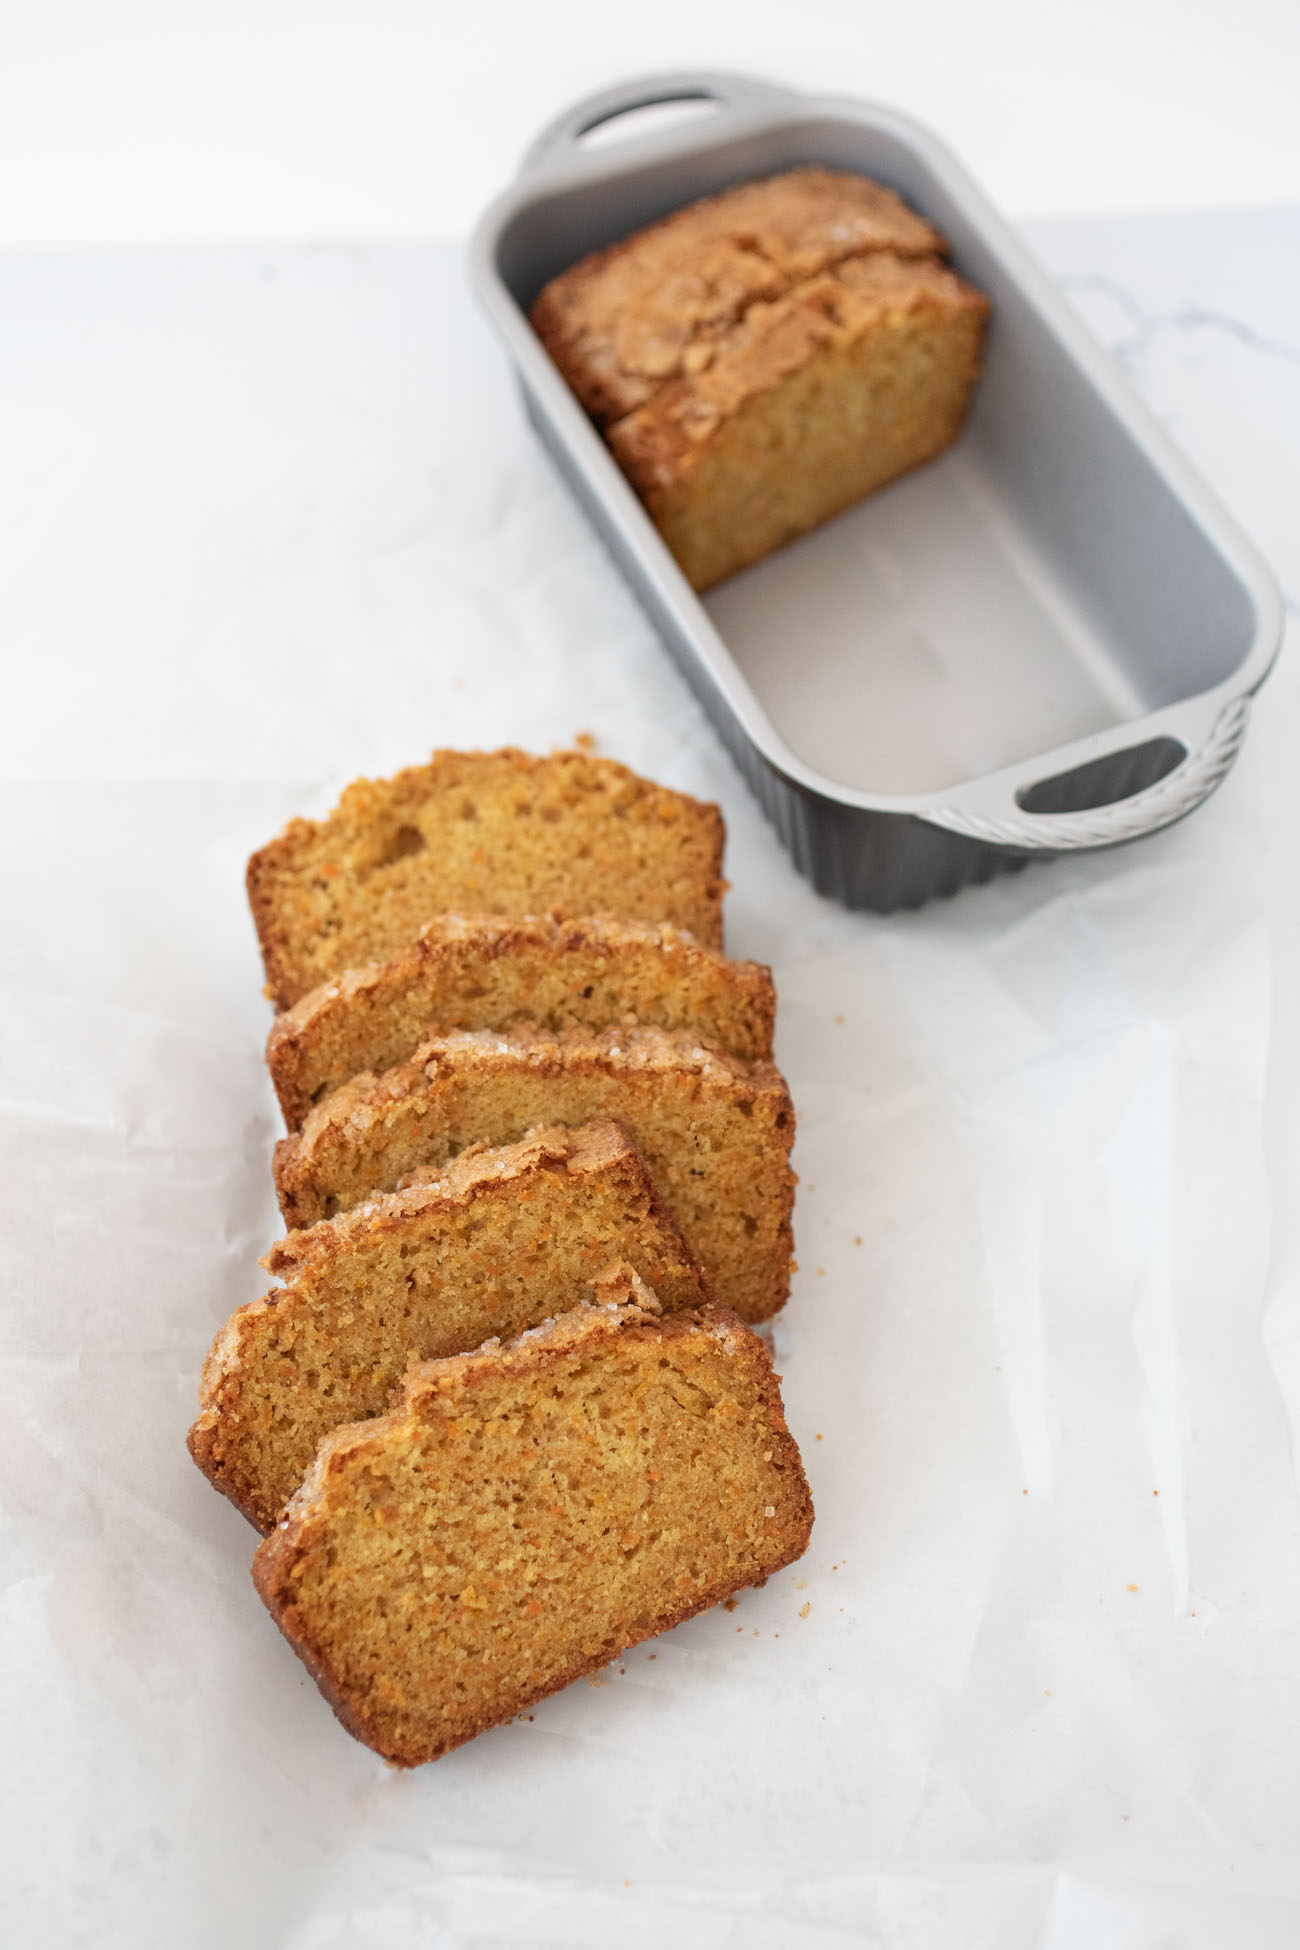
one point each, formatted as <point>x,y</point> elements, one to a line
<point>827,316</point>
<point>765,359</point>
<point>491,972</point>
<point>435,1395</point>
<point>503,832</point>
<point>649,309</point>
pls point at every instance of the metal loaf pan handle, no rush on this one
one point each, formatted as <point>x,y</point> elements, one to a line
<point>736,96</point>
<point>1207,761</point>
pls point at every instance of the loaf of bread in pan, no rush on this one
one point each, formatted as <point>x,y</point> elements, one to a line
<point>526,1512</point>
<point>715,1133</point>
<point>498,1242</point>
<point>763,359</point>
<point>480,833</point>
<point>482,972</point>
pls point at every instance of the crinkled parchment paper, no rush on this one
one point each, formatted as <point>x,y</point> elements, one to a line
<point>269,522</point>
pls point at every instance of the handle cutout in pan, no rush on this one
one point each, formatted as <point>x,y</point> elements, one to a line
<point>645,118</point>
<point>1104,781</point>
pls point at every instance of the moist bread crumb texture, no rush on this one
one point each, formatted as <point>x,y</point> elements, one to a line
<point>761,360</point>
<point>715,1134</point>
<point>496,1244</point>
<point>526,1512</point>
<point>484,972</point>
<point>480,832</point>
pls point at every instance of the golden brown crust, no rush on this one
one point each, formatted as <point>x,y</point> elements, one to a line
<point>500,832</point>
<point>491,972</point>
<point>752,386</point>
<point>496,1242</point>
<point>649,309</point>
<point>347,1487</point>
<point>715,1133</point>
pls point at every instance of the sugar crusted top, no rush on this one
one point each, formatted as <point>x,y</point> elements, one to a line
<point>647,310</point>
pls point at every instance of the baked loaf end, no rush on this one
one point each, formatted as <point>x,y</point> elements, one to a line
<point>499,833</point>
<point>482,972</point>
<point>715,1133</point>
<point>813,402</point>
<point>526,1512</point>
<point>497,1243</point>
<point>746,410</point>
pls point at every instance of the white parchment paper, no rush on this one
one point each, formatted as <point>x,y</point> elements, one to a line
<point>267,522</point>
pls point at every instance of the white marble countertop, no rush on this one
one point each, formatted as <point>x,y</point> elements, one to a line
<point>269,518</point>
<point>125,121</point>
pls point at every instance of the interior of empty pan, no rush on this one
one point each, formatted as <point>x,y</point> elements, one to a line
<point>1059,591</point>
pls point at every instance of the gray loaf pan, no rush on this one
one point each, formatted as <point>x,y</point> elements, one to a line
<point>1044,641</point>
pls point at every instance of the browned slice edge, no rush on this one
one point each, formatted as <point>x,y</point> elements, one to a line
<point>715,1133</point>
<point>493,1245</point>
<point>490,972</point>
<point>451,836</point>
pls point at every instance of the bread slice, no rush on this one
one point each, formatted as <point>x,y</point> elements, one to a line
<point>715,1133</point>
<point>480,832</point>
<point>762,359</point>
<point>500,1241</point>
<point>482,972</point>
<point>529,1511</point>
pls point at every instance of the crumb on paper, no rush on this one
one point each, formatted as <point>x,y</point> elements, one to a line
<point>819,1438</point>
<point>839,1018</point>
<point>729,1604</point>
<point>585,740</point>
<point>1130,1587</point>
<point>805,1609</point>
<point>857,1238</point>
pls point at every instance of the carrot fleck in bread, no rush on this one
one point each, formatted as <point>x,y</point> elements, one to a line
<point>763,359</point>
<point>526,1512</point>
<point>480,832</point>
<point>714,1132</point>
<point>482,972</point>
<point>503,1239</point>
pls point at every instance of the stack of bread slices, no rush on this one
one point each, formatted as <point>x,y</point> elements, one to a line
<point>506,1415</point>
